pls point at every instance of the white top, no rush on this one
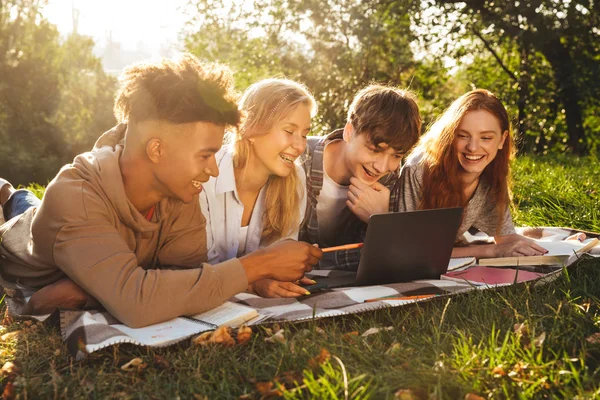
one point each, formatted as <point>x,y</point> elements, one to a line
<point>223,211</point>
<point>330,204</point>
<point>242,237</point>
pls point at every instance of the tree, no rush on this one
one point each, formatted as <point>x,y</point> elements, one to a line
<point>54,97</point>
<point>334,47</point>
<point>565,33</point>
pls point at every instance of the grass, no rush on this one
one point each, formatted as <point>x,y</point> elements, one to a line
<point>518,342</point>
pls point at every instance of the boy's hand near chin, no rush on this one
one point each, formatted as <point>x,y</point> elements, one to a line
<point>364,200</point>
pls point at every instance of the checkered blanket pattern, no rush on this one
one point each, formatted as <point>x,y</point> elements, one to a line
<point>88,331</point>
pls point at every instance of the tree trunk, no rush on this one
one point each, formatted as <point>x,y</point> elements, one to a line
<point>563,68</point>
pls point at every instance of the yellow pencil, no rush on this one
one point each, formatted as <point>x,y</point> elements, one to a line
<point>343,247</point>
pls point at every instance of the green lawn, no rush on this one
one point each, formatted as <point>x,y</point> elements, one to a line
<point>518,342</point>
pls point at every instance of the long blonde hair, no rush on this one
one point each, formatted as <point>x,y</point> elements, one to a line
<point>263,105</point>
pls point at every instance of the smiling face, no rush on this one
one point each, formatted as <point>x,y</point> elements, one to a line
<point>184,157</point>
<point>276,151</point>
<point>366,161</point>
<point>477,141</point>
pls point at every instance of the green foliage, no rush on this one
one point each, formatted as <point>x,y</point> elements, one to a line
<point>55,98</point>
<point>334,48</point>
<point>549,52</point>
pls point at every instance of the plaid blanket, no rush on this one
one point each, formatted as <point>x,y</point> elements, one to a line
<point>88,331</point>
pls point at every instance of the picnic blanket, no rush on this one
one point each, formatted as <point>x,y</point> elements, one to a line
<point>90,330</point>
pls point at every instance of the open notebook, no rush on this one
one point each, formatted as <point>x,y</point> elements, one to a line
<point>177,329</point>
<point>558,253</point>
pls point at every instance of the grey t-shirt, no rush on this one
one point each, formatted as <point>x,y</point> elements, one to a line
<point>478,214</point>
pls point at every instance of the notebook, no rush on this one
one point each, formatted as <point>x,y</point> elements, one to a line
<point>558,253</point>
<point>481,275</point>
<point>461,262</point>
<point>177,329</point>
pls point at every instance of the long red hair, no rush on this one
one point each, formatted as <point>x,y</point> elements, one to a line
<point>441,182</point>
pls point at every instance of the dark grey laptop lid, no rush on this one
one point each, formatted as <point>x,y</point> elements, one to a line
<point>402,247</point>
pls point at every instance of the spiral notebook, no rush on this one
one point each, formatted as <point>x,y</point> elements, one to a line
<point>177,329</point>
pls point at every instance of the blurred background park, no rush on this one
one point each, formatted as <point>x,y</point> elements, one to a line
<point>60,59</point>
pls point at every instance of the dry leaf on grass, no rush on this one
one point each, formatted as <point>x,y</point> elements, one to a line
<point>203,338</point>
<point>222,336</point>
<point>594,339</point>
<point>372,331</point>
<point>244,335</point>
<point>405,394</point>
<point>394,348</point>
<point>160,361</point>
<point>322,358</point>
<point>200,397</point>
<point>538,341</point>
<point>9,391</point>
<point>473,396</point>
<point>266,390</point>
<point>136,364</point>
<point>276,338</point>
<point>10,335</point>
<point>350,336</point>
<point>498,371</point>
<point>9,369</point>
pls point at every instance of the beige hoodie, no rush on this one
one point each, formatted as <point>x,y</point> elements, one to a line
<point>143,272</point>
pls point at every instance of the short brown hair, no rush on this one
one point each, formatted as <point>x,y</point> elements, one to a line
<point>387,115</point>
<point>177,90</point>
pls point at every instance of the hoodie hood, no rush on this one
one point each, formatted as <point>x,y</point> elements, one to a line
<point>101,168</point>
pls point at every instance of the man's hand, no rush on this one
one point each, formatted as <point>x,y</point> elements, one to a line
<point>285,261</point>
<point>61,294</point>
<point>274,288</point>
<point>364,200</point>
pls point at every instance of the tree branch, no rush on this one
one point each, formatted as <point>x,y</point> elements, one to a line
<point>496,56</point>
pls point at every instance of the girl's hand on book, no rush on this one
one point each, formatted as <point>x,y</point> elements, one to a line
<point>516,246</point>
<point>274,288</point>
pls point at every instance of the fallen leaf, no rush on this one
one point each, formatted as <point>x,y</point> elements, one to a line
<point>498,371</point>
<point>276,338</point>
<point>405,394</point>
<point>27,323</point>
<point>372,331</point>
<point>594,339</point>
<point>203,338</point>
<point>9,368</point>
<point>322,358</point>
<point>200,397</point>
<point>135,364</point>
<point>291,378</point>
<point>394,348</point>
<point>222,336</point>
<point>538,341</point>
<point>57,352</point>
<point>522,332</point>
<point>350,336</point>
<point>244,335</point>
<point>10,335</point>
<point>9,391</point>
<point>266,390</point>
<point>473,396</point>
<point>160,362</point>
<point>320,331</point>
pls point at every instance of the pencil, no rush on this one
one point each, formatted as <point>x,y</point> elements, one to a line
<point>393,297</point>
<point>343,247</point>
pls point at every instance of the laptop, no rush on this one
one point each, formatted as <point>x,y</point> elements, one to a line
<point>401,247</point>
